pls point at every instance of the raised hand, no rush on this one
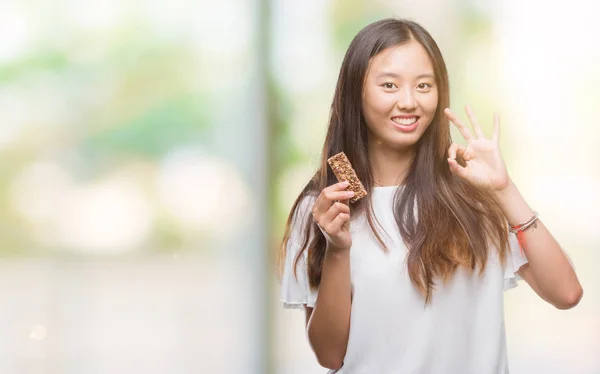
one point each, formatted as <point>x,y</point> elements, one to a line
<point>485,167</point>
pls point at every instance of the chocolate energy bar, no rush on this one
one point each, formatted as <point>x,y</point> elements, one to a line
<point>344,172</point>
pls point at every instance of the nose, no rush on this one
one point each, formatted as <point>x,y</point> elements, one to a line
<point>406,99</point>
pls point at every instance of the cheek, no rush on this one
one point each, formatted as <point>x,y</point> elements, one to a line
<point>378,103</point>
<point>430,103</point>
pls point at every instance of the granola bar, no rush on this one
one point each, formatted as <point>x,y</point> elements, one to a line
<point>343,170</point>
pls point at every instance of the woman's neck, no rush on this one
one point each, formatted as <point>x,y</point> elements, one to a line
<point>389,166</point>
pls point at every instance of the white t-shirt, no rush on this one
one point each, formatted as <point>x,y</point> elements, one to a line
<point>391,329</point>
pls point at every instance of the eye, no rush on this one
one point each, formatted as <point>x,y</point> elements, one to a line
<point>424,86</point>
<point>389,86</point>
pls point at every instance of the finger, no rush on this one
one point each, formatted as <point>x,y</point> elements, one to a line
<point>457,169</point>
<point>454,150</point>
<point>340,186</point>
<point>496,134</point>
<point>333,212</point>
<point>329,199</point>
<point>473,120</point>
<point>465,153</point>
<point>335,228</point>
<point>338,195</point>
<point>323,203</point>
<point>462,128</point>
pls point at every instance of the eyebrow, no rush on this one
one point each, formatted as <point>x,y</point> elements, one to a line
<point>394,75</point>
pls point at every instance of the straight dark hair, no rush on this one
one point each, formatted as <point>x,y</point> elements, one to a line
<point>444,221</point>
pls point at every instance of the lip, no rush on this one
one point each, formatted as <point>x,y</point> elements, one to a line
<point>406,116</point>
<point>406,128</point>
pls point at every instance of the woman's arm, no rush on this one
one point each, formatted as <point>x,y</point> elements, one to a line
<point>328,324</point>
<point>549,272</point>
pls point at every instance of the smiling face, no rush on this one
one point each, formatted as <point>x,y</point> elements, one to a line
<point>400,95</point>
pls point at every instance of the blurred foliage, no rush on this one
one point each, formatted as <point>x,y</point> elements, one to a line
<point>53,60</point>
<point>350,16</point>
<point>125,95</point>
<point>285,153</point>
<point>155,130</point>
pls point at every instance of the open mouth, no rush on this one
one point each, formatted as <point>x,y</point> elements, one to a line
<point>405,121</point>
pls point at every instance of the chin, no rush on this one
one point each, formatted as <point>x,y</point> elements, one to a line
<point>403,141</point>
<point>397,140</point>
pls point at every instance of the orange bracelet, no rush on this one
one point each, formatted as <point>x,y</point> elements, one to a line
<point>519,230</point>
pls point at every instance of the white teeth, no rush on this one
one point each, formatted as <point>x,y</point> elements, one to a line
<point>405,121</point>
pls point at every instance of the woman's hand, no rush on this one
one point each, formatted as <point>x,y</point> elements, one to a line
<point>333,216</point>
<point>485,167</point>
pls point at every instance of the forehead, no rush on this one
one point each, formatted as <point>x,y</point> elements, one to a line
<point>409,59</point>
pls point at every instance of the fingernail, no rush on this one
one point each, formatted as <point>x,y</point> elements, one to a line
<point>345,183</point>
<point>350,194</point>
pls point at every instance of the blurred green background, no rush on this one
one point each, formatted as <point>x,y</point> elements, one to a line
<point>150,152</point>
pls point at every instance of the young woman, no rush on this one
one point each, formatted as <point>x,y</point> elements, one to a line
<point>410,278</point>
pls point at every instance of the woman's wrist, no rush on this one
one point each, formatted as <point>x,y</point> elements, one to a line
<point>513,205</point>
<point>332,250</point>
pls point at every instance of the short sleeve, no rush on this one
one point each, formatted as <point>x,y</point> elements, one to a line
<point>514,261</point>
<point>295,289</point>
